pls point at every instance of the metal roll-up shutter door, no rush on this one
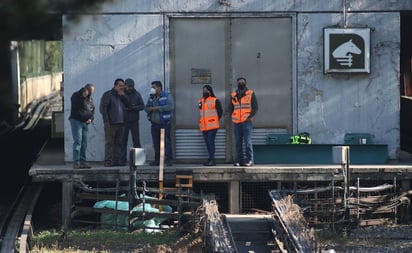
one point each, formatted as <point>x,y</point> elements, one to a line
<point>190,145</point>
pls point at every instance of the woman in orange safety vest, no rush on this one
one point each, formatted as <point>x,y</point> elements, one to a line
<point>210,110</point>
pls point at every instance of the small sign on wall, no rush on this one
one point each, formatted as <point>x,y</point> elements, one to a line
<point>201,76</point>
<point>346,50</point>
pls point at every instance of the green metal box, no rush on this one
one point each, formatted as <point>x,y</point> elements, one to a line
<point>358,138</point>
<point>318,154</point>
<point>278,138</point>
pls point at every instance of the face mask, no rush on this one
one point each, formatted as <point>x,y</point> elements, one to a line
<point>241,86</point>
<point>152,91</point>
<point>206,94</point>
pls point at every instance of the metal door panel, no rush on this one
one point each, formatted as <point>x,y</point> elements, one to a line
<point>198,44</point>
<point>262,53</point>
<point>260,49</point>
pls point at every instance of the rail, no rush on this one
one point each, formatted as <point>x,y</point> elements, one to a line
<point>17,222</point>
<point>290,227</point>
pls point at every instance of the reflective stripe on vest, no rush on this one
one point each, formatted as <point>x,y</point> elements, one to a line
<point>165,116</point>
<point>242,110</point>
<point>209,119</point>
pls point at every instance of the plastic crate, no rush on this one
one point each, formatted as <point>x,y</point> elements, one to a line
<point>356,138</point>
<point>278,138</point>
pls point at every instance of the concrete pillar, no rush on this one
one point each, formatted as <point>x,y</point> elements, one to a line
<point>234,197</point>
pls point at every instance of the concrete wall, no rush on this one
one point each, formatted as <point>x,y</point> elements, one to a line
<point>133,43</point>
<point>331,105</point>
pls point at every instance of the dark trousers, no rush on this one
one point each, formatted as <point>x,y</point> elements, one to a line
<point>155,129</point>
<point>133,128</point>
<point>210,137</point>
<point>113,143</point>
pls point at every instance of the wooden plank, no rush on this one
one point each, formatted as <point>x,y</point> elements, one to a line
<point>67,201</point>
<point>91,196</point>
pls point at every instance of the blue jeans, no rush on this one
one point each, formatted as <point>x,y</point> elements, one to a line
<point>209,137</point>
<point>155,129</point>
<point>243,133</point>
<point>79,133</point>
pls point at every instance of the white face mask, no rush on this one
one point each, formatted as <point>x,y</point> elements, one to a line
<point>152,91</point>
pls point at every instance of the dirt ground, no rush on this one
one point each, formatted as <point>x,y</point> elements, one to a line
<point>391,238</point>
<point>380,239</point>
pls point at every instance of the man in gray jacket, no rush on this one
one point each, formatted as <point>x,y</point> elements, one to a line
<point>112,106</point>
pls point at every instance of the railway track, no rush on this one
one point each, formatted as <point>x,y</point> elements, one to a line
<point>34,128</point>
<point>272,232</point>
<point>16,225</point>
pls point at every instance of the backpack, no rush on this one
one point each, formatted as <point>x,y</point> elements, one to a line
<point>301,138</point>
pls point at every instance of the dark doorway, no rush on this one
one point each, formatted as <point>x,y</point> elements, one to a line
<point>406,82</point>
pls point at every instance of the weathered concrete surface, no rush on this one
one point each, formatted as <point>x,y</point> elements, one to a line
<point>134,43</point>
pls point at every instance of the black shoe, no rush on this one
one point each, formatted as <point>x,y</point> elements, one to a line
<point>154,163</point>
<point>210,163</point>
<point>117,164</point>
<point>236,164</point>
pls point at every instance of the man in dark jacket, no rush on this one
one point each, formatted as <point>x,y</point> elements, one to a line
<point>112,106</point>
<point>131,117</point>
<point>81,116</point>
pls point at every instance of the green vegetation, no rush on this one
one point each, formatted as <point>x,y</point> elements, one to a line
<point>39,57</point>
<point>102,241</point>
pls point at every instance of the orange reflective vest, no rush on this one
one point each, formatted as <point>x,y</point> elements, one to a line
<point>209,118</point>
<point>242,109</point>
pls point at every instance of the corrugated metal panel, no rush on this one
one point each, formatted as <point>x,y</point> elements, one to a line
<point>191,145</point>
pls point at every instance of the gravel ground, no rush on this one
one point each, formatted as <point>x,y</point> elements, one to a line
<point>394,238</point>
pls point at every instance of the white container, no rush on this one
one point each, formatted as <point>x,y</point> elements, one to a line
<point>137,156</point>
<point>340,154</point>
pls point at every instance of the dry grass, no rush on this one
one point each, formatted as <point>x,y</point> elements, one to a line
<point>115,241</point>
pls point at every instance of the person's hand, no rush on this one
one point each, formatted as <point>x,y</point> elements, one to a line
<point>120,92</point>
<point>89,121</point>
<point>154,109</point>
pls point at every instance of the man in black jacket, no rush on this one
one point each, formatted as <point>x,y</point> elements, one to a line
<point>131,117</point>
<point>112,108</point>
<point>81,116</point>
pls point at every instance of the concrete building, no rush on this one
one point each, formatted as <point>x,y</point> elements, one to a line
<point>278,46</point>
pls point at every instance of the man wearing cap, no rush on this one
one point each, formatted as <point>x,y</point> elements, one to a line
<point>131,117</point>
